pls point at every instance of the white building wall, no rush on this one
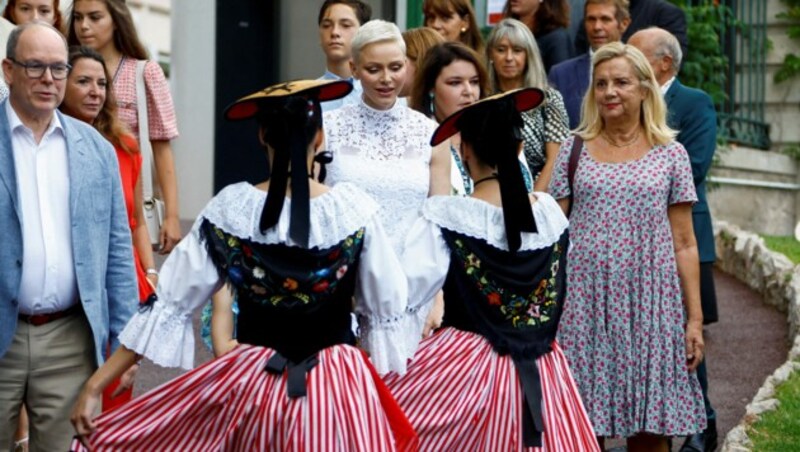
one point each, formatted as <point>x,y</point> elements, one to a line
<point>153,22</point>
<point>193,84</point>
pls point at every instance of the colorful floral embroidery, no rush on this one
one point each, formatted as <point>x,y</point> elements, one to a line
<point>247,267</point>
<point>523,311</point>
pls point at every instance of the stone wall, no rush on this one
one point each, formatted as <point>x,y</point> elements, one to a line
<point>745,256</point>
<point>756,190</point>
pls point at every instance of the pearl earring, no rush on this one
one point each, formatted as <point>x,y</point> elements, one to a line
<point>463,29</point>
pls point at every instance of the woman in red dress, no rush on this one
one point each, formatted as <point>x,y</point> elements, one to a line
<point>89,98</point>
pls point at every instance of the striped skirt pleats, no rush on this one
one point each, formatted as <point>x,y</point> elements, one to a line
<point>460,395</point>
<point>232,404</point>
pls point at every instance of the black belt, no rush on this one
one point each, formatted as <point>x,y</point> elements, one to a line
<point>296,372</point>
<point>41,319</point>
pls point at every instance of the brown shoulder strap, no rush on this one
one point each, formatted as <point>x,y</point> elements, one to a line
<point>574,156</point>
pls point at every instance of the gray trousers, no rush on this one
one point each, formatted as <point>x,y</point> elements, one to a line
<point>45,367</point>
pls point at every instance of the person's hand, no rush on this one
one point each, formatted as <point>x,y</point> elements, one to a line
<point>170,235</point>
<point>152,280</point>
<point>695,347</point>
<point>435,317</point>
<point>126,380</point>
<point>82,416</point>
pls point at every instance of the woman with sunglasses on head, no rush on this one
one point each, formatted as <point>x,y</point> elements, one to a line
<point>297,254</point>
<point>493,378</point>
<point>107,27</point>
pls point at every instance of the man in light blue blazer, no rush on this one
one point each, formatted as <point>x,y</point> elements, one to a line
<point>691,112</point>
<point>605,21</point>
<point>67,282</point>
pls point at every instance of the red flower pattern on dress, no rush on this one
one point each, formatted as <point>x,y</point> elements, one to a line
<point>622,324</point>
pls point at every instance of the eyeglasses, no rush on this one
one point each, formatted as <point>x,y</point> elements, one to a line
<point>58,71</point>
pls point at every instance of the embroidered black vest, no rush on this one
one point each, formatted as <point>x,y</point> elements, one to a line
<point>294,300</point>
<point>512,299</point>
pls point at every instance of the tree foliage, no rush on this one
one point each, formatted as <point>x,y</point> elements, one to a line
<point>791,62</point>
<point>706,66</point>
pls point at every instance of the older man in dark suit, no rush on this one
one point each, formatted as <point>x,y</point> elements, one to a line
<point>605,21</point>
<point>692,114</point>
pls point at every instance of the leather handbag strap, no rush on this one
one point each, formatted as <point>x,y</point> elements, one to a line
<point>145,147</point>
<point>574,156</point>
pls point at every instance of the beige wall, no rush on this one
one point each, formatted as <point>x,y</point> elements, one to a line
<point>153,22</point>
<point>301,55</point>
<point>755,190</point>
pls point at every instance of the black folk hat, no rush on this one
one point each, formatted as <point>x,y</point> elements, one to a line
<point>320,90</point>
<point>496,122</point>
<point>276,99</point>
<point>524,99</point>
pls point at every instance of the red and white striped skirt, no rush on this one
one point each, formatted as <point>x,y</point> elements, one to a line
<point>459,394</point>
<point>233,404</point>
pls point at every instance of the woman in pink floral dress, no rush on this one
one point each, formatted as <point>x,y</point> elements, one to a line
<point>632,323</point>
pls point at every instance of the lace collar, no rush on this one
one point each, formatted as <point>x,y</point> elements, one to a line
<point>481,220</point>
<point>396,112</point>
<point>333,215</point>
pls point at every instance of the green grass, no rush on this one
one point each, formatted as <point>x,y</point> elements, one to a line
<point>785,245</point>
<point>779,430</point>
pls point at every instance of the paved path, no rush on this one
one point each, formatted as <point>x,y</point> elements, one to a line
<point>744,347</point>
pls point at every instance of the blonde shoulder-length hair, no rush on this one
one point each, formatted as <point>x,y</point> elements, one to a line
<point>653,114</point>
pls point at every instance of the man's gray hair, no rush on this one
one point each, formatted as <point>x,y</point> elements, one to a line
<point>13,37</point>
<point>667,44</point>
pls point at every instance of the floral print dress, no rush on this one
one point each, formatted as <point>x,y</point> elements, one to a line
<point>622,327</point>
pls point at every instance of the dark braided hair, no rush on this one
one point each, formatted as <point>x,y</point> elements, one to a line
<point>289,126</point>
<point>494,133</point>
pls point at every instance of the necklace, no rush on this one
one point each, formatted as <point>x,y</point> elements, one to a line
<point>493,176</point>
<point>119,66</point>
<point>621,145</point>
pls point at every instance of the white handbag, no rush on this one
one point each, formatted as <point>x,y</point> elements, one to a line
<point>153,207</point>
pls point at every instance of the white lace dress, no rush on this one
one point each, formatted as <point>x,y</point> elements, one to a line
<point>387,154</point>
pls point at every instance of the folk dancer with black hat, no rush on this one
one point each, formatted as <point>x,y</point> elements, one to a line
<point>296,253</point>
<point>493,378</point>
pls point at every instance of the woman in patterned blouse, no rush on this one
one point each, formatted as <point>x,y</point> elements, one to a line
<point>515,62</point>
<point>107,27</point>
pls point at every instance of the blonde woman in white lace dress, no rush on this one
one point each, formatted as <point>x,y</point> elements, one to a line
<point>377,144</point>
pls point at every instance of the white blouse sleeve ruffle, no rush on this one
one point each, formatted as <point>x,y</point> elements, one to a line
<point>426,259</point>
<point>164,333</point>
<point>381,300</point>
